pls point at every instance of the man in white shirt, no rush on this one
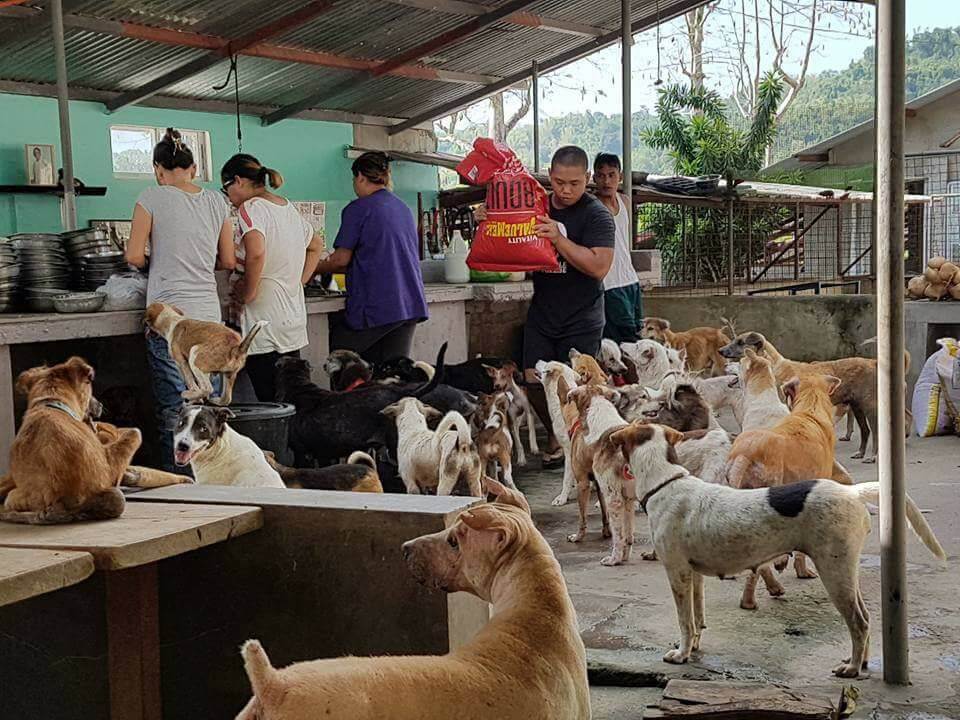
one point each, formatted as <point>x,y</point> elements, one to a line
<point>622,296</point>
<point>41,171</point>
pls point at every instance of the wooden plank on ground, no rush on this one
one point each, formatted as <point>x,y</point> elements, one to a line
<point>145,533</point>
<point>738,701</point>
<point>26,573</point>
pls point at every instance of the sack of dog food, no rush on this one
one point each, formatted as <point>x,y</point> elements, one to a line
<point>936,396</point>
<point>506,240</point>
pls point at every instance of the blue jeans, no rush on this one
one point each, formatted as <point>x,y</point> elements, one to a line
<point>168,387</point>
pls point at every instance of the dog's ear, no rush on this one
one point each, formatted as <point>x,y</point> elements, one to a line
<point>629,437</point>
<point>391,411</point>
<point>789,389</point>
<point>333,365</point>
<point>833,383</point>
<point>611,394</point>
<point>80,370</point>
<point>491,371</point>
<point>574,354</point>
<point>563,389</point>
<point>223,414</point>
<point>648,353</point>
<point>28,378</point>
<point>177,310</point>
<point>489,519</point>
<point>504,495</point>
<point>755,340</point>
<point>672,436</point>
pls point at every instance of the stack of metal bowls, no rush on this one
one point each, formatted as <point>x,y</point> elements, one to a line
<point>78,243</point>
<point>43,263</point>
<point>98,267</point>
<point>9,275</point>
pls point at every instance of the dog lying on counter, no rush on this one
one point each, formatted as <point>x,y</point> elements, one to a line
<point>527,662</point>
<point>703,529</point>
<point>200,349</point>
<point>358,474</point>
<point>218,454</point>
<point>60,471</point>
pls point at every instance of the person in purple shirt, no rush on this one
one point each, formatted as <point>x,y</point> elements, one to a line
<point>377,247</point>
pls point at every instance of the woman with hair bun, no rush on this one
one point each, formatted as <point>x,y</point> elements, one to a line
<point>377,247</point>
<point>280,251</point>
<point>190,234</point>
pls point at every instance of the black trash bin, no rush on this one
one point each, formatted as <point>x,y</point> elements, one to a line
<point>268,425</point>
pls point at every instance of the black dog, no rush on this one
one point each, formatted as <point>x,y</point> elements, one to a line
<point>470,376</point>
<point>330,425</point>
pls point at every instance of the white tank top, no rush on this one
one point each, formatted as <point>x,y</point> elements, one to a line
<point>621,272</point>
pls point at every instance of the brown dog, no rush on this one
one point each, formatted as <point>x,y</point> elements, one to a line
<point>596,414</point>
<point>136,475</point>
<point>798,447</point>
<point>701,344</point>
<point>59,470</point>
<point>200,348</point>
<point>527,662</point>
<point>358,474</point>
<point>587,367</point>
<point>858,375</point>
<point>494,443</point>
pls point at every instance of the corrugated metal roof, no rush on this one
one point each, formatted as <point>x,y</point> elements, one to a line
<point>104,54</point>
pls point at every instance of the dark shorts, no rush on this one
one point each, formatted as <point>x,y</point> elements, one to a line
<point>623,308</point>
<point>539,346</point>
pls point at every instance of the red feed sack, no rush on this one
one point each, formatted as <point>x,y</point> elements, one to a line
<point>506,241</point>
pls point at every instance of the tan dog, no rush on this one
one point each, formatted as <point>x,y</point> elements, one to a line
<point>596,414</point>
<point>701,344</point>
<point>858,376</point>
<point>528,661</point>
<point>201,348</point>
<point>137,475</point>
<point>59,470</point>
<point>798,447</point>
<point>587,367</point>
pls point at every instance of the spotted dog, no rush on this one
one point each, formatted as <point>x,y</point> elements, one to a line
<point>702,529</point>
<point>217,453</point>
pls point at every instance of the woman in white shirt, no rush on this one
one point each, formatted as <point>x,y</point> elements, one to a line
<point>190,233</point>
<point>281,251</point>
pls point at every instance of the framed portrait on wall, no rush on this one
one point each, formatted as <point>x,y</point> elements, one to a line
<point>41,164</point>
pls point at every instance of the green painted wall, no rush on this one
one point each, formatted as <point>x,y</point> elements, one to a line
<point>310,155</point>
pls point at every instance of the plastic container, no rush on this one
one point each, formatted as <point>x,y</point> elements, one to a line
<point>267,424</point>
<point>455,270</point>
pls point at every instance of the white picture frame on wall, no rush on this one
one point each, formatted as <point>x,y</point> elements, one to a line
<point>40,162</point>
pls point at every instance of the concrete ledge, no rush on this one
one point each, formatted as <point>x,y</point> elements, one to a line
<point>324,577</point>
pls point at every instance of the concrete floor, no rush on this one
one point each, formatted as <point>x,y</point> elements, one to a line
<point>627,616</point>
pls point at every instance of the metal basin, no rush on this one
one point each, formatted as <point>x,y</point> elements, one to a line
<point>79,302</point>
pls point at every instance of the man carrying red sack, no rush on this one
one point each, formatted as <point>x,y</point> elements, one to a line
<point>567,307</point>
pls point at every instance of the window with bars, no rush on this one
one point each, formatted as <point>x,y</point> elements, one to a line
<point>131,150</point>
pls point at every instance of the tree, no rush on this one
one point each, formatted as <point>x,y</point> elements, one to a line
<point>695,130</point>
<point>500,125</point>
<point>695,21</point>
<point>759,36</point>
